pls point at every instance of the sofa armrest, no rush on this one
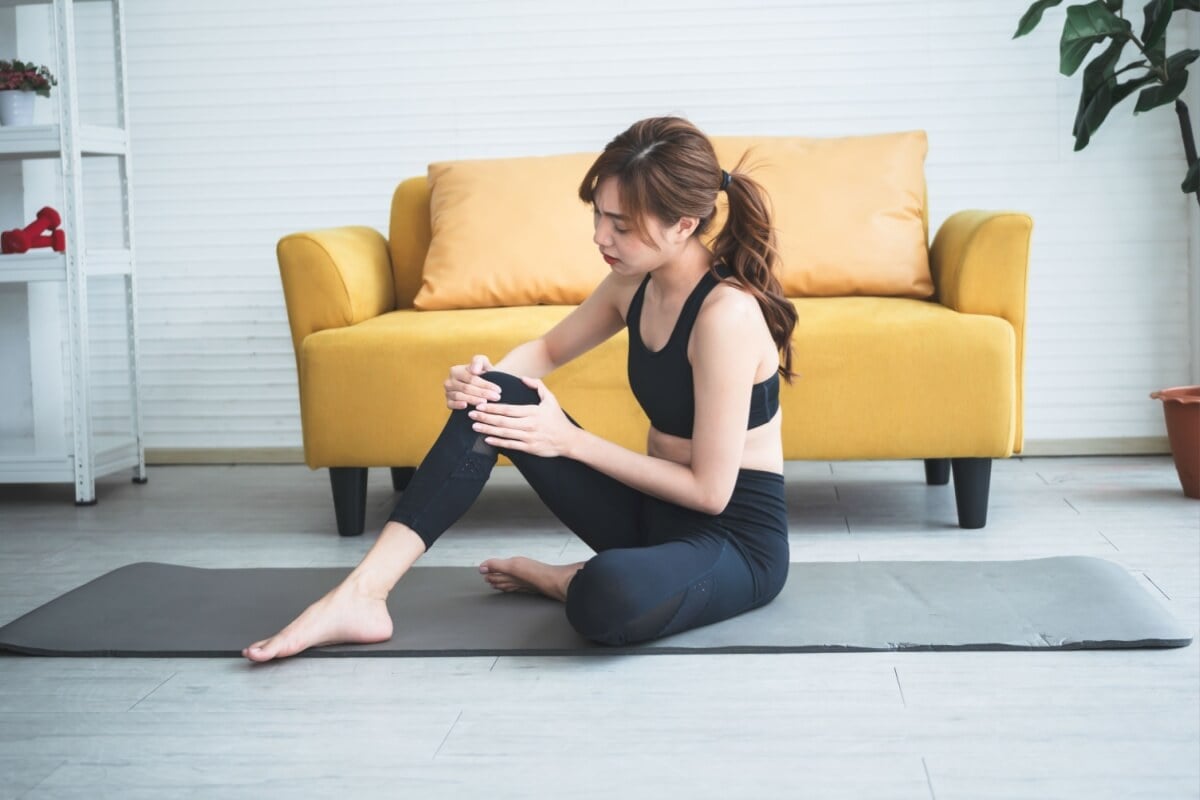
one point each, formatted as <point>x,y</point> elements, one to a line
<point>980,265</point>
<point>333,278</point>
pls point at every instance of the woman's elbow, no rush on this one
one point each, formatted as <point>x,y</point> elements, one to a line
<point>715,501</point>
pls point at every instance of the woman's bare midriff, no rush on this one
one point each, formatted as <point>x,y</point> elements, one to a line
<point>763,449</point>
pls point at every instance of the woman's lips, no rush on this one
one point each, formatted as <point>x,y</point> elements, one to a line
<point>609,259</point>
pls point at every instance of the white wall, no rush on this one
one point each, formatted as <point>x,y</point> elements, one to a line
<point>254,120</point>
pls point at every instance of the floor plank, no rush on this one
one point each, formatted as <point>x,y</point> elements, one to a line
<point>1051,724</point>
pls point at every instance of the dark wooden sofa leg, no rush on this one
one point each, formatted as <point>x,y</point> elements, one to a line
<point>349,498</point>
<point>972,479</point>
<point>401,476</point>
<point>937,471</point>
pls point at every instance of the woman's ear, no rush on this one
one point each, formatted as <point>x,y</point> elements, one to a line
<point>685,227</point>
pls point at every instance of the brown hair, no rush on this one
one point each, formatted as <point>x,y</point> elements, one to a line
<point>666,167</point>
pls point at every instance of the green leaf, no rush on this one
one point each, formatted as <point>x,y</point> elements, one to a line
<point>1085,26</point>
<point>1033,16</point>
<point>1123,90</point>
<point>1104,100</point>
<point>1192,182</point>
<point>1157,53</point>
<point>1179,61</point>
<point>1134,65</point>
<point>1091,115</point>
<point>1097,77</point>
<point>1158,14</point>
<point>1162,94</point>
<point>1187,5</point>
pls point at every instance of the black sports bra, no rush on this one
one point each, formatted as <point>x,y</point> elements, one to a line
<point>662,380</point>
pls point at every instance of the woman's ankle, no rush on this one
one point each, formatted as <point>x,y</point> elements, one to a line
<point>366,585</point>
<point>394,552</point>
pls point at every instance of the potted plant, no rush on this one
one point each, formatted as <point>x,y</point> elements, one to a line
<point>19,82</point>
<point>1159,79</point>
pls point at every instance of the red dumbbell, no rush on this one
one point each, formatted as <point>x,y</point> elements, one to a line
<point>42,232</point>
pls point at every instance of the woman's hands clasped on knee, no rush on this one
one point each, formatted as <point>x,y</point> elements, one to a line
<point>542,429</point>
<point>464,386</point>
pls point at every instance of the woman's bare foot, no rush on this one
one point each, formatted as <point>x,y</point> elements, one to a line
<point>522,574</point>
<point>346,614</point>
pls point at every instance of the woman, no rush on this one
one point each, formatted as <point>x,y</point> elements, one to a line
<point>692,532</point>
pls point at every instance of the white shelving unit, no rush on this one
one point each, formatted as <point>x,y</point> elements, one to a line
<point>85,456</point>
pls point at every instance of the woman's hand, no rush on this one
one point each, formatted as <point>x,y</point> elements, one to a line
<point>464,386</point>
<point>542,430</point>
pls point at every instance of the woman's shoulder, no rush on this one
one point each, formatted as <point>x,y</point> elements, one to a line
<point>618,291</point>
<point>730,311</point>
<point>730,299</point>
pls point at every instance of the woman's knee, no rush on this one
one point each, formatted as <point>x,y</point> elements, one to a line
<point>605,607</point>
<point>595,600</point>
<point>512,389</point>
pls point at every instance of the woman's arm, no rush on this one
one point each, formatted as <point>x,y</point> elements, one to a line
<point>593,321</point>
<point>530,359</point>
<point>722,380</point>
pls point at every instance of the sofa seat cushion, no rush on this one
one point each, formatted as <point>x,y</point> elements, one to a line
<point>865,364</point>
<point>391,369</point>
<point>884,378</point>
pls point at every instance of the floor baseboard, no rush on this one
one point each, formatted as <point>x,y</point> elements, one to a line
<point>224,455</point>
<point>1126,446</point>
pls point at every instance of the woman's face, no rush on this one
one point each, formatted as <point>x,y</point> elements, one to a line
<point>621,246</point>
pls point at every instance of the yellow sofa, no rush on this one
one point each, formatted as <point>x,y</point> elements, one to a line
<point>881,377</point>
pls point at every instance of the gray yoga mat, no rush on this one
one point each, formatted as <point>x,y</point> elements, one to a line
<point>1069,602</point>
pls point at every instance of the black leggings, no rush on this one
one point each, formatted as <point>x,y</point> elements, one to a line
<point>660,568</point>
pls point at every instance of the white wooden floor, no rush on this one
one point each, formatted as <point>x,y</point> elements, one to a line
<point>1083,724</point>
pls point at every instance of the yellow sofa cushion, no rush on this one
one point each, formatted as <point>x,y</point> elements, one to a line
<point>386,374</point>
<point>885,378</point>
<point>850,211</point>
<point>509,232</point>
<point>865,364</point>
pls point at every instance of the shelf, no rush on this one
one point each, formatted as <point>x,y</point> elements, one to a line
<point>42,141</point>
<point>15,3</point>
<point>32,266</point>
<point>21,462</point>
<point>43,266</point>
<point>47,459</point>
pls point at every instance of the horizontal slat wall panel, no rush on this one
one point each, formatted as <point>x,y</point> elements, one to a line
<point>251,121</point>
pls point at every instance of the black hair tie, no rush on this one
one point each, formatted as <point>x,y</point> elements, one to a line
<point>726,178</point>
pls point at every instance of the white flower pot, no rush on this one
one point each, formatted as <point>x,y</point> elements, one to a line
<point>16,107</point>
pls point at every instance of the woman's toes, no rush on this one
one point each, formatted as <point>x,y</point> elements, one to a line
<point>254,649</point>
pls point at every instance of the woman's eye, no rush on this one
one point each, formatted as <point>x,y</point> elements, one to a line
<point>596,221</point>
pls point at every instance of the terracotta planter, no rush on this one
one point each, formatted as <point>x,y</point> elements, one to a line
<point>1181,407</point>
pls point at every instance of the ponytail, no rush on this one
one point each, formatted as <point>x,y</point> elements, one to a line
<point>747,245</point>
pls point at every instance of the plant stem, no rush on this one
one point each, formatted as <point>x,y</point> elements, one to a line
<point>1189,141</point>
<point>1161,72</point>
<point>1132,65</point>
